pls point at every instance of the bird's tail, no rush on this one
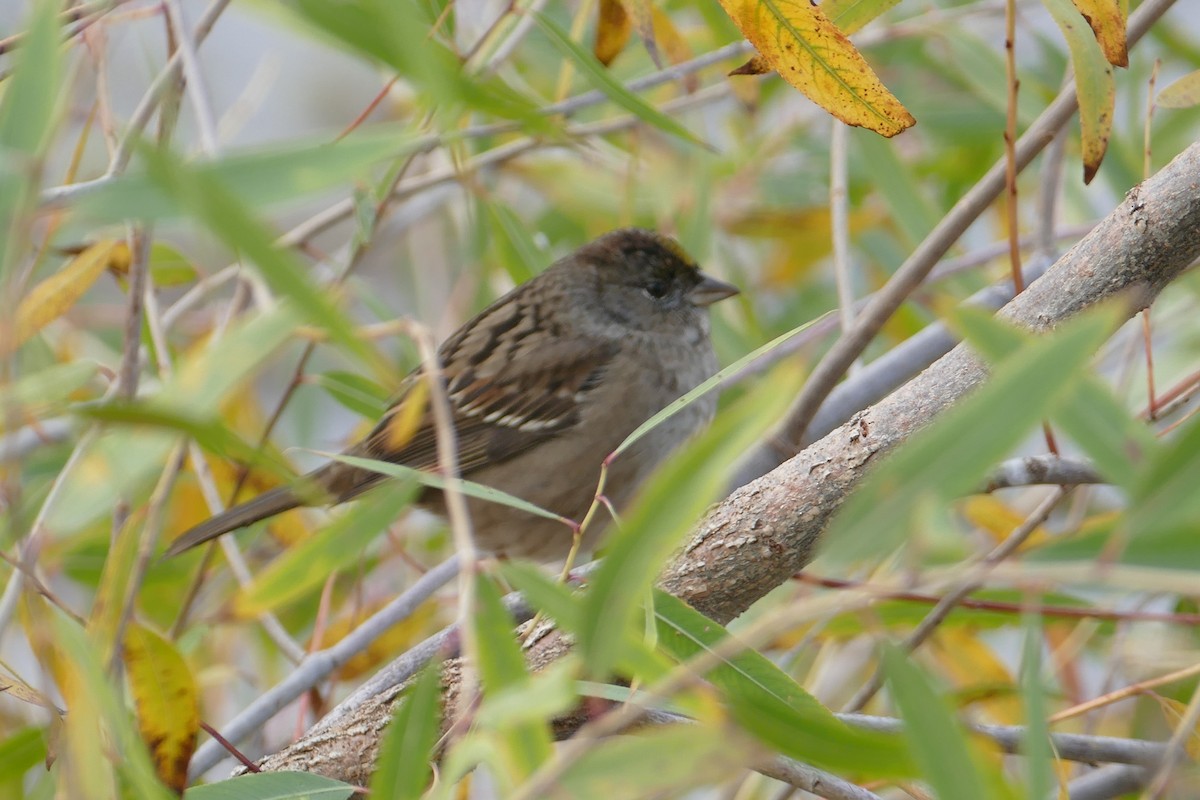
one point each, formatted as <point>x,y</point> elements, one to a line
<point>265,505</point>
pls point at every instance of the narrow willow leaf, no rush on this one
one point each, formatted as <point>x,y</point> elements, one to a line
<point>525,745</point>
<point>258,178</point>
<point>772,706</point>
<point>468,488</point>
<point>27,115</point>
<point>83,671</point>
<point>1107,20</point>
<point>1036,747</point>
<point>405,763</point>
<point>649,764</point>
<point>602,80</point>
<point>274,786</point>
<point>59,293</point>
<point>1093,81</point>
<point>167,702</point>
<point>613,28</point>
<point>1183,93</point>
<point>810,53</point>
<point>357,393</point>
<point>939,743</point>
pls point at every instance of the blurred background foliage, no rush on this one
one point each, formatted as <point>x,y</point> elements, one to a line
<point>297,120</point>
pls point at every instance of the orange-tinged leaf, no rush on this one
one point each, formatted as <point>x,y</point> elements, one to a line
<point>1183,93</point>
<point>810,53</point>
<point>168,709</point>
<point>613,27</point>
<point>1093,82</point>
<point>54,296</point>
<point>1106,18</point>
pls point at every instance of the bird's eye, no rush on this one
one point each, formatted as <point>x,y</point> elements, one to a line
<point>656,289</point>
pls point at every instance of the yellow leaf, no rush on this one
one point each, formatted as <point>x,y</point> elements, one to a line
<point>168,709</point>
<point>1175,711</point>
<point>1107,21</point>
<point>808,50</point>
<point>12,687</point>
<point>668,37</point>
<point>1094,82</point>
<point>980,675</point>
<point>54,296</point>
<point>405,418</point>
<point>1183,93</point>
<point>613,27</point>
<point>997,520</point>
<point>396,639</point>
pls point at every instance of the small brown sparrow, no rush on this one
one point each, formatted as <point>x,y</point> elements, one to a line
<point>543,384</point>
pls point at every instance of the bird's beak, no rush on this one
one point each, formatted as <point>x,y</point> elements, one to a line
<point>710,290</point>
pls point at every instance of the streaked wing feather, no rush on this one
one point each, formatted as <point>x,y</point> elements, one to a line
<point>498,416</point>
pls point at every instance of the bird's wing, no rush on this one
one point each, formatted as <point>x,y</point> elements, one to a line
<point>512,381</point>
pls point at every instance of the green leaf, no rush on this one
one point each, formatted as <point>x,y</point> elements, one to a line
<point>399,33</point>
<point>20,751</point>
<point>772,706</point>
<point>525,745</point>
<point>361,395</point>
<point>273,786</point>
<point>1036,747</point>
<point>1164,499</point>
<point>939,742</point>
<point>666,509</point>
<point>951,457</point>
<point>468,488</point>
<point>657,763</point>
<point>285,173</point>
<point>511,236</point>
<point>306,566</point>
<point>851,15</point>
<point>600,77</point>
<point>1090,414</point>
<point>406,755</point>
<point>27,114</point>
<point>1094,83</point>
<point>47,387</point>
<point>545,594</point>
<point>169,267</point>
